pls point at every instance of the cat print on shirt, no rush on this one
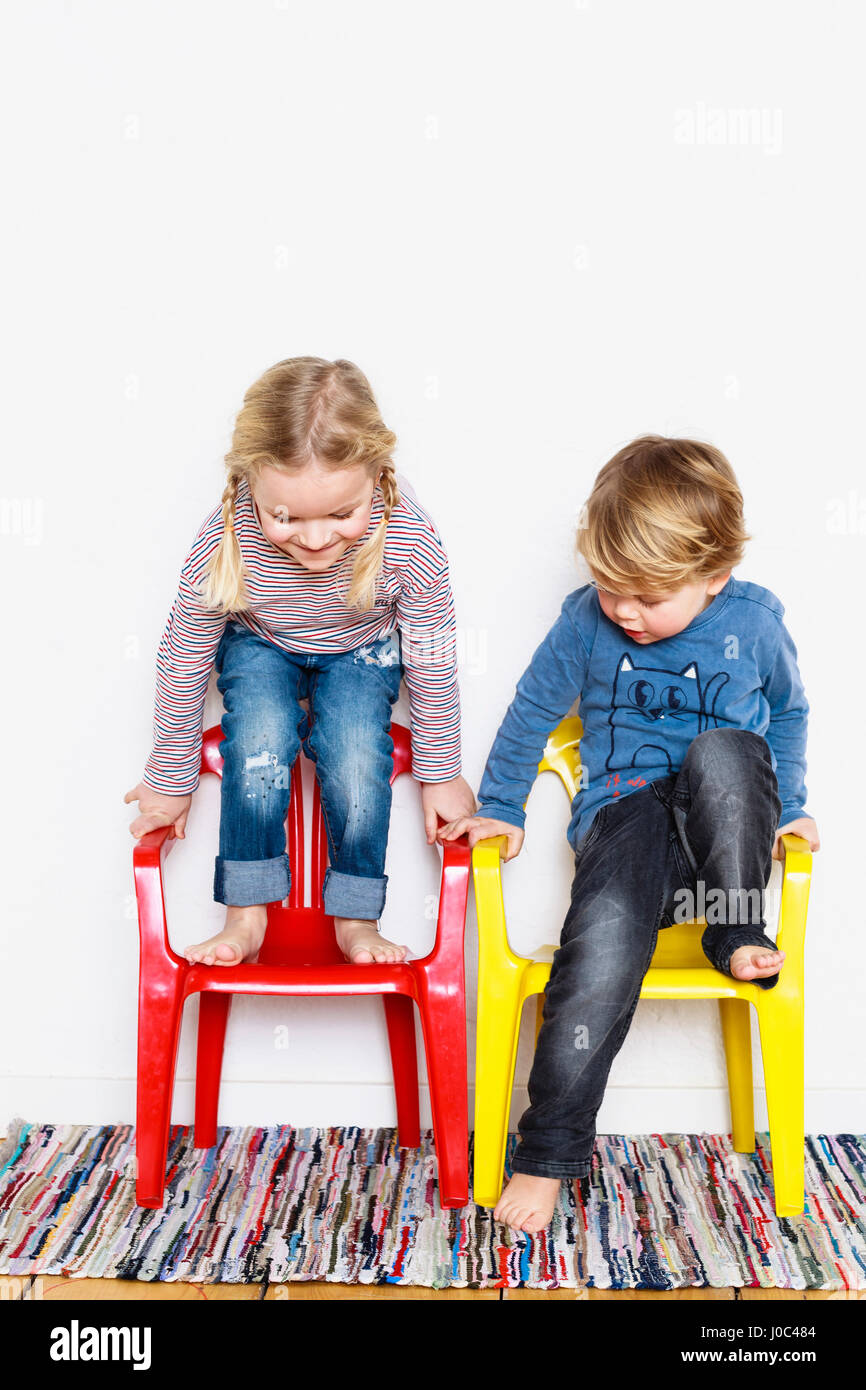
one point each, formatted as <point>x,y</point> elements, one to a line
<point>659,698</point>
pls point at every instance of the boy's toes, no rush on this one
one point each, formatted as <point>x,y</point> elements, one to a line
<point>521,1218</point>
<point>760,967</point>
<point>528,1221</point>
<point>768,979</point>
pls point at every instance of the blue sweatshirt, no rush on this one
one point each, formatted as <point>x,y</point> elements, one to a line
<point>733,667</point>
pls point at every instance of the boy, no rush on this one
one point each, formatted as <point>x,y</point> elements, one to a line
<point>693,754</point>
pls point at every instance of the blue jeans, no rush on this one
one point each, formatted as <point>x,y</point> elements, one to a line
<point>648,860</point>
<point>346,733</point>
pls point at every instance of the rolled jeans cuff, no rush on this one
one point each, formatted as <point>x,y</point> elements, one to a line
<point>353,895</point>
<point>564,1171</point>
<point>250,882</point>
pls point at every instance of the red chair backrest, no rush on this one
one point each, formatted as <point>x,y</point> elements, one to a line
<point>294,929</point>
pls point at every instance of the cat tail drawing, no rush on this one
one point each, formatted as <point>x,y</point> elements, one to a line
<point>707,718</point>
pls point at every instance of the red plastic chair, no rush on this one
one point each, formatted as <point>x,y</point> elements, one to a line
<point>299,955</point>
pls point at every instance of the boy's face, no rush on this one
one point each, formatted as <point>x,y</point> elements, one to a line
<point>652,614</point>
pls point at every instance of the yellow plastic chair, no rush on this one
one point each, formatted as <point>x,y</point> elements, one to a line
<point>678,970</point>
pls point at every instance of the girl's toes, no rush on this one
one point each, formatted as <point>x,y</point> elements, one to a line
<point>387,953</point>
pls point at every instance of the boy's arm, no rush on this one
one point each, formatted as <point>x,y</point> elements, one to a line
<point>786,734</point>
<point>545,693</point>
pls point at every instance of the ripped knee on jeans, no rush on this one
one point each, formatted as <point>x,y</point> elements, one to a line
<point>385,652</point>
<point>267,760</point>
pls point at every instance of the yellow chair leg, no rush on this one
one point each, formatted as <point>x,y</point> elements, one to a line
<point>780,1021</point>
<point>498,1030</point>
<point>737,1038</point>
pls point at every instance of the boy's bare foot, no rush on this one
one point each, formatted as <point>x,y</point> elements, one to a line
<point>528,1202</point>
<point>754,962</point>
<point>239,939</point>
<point>361,943</point>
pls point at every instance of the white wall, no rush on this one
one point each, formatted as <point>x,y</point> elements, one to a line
<point>540,229</point>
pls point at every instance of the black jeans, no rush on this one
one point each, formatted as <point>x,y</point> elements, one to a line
<point>655,857</point>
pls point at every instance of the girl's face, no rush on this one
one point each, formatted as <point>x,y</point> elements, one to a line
<point>651,615</point>
<point>316,515</point>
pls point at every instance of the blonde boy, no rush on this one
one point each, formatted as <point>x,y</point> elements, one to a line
<point>694,738</point>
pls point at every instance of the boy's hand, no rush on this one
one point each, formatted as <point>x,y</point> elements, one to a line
<point>158,809</point>
<point>805,826</point>
<point>482,828</point>
<point>445,799</point>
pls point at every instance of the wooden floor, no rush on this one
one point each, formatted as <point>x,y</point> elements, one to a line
<point>43,1287</point>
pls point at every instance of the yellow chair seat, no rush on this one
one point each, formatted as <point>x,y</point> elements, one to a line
<point>678,970</point>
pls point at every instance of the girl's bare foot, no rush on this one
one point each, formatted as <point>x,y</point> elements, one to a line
<point>239,939</point>
<point>361,943</point>
<point>528,1202</point>
<point>754,962</point>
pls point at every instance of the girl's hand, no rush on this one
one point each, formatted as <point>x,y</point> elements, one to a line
<point>482,828</point>
<point>445,799</point>
<point>158,809</point>
<point>805,826</point>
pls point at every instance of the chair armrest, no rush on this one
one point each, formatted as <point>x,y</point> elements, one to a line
<point>796,882</point>
<point>148,856</point>
<point>447,952</point>
<point>795,844</point>
<point>153,840</point>
<point>487,861</point>
<point>499,842</point>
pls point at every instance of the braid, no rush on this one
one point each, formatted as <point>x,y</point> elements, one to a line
<point>224,586</point>
<point>390,491</point>
<point>368,563</point>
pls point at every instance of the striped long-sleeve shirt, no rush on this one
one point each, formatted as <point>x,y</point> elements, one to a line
<point>301,610</point>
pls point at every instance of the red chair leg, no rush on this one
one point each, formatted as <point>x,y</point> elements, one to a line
<point>212,1019</point>
<point>400,1018</point>
<point>159,1018</point>
<point>443,1019</point>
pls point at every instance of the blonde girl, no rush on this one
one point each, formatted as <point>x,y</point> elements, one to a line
<point>315,578</point>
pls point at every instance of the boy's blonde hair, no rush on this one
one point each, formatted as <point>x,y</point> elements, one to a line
<point>662,513</point>
<point>302,410</point>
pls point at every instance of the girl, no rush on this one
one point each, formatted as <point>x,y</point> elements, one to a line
<point>301,584</point>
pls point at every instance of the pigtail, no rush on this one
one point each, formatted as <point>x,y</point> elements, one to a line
<point>368,563</point>
<point>223,586</point>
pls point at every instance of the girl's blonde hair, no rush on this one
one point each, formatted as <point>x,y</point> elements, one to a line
<point>662,513</point>
<point>302,410</point>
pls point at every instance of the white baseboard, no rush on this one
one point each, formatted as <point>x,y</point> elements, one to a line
<point>625,1110</point>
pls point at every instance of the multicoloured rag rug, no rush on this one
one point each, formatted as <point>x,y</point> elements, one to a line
<point>665,1211</point>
